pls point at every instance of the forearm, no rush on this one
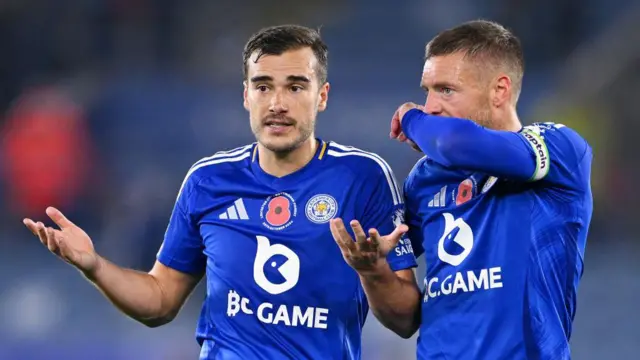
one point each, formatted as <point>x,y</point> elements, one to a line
<point>463,144</point>
<point>137,294</point>
<point>393,300</point>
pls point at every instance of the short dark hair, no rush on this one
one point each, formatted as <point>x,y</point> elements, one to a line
<point>276,40</point>
<point>482,40</point>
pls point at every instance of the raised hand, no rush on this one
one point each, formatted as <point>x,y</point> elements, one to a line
<point>365,255</point>
<point>70,242</point>
<point>396,124</point>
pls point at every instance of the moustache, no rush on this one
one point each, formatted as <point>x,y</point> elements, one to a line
<point>278,120</point>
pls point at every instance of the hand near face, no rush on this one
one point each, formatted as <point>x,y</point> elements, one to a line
<point>396,124</point>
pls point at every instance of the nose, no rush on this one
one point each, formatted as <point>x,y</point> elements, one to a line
<point>432,104</point>
<point>278,103</point>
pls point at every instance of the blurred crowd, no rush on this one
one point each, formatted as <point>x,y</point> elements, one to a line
<point>105,104</point>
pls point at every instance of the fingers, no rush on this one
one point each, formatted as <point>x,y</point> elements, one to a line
<point>52,244</point>
<point>396,129</point>
<point>397,233</point>
<point>59,218</point>
<point>341,236</point>
<point>46,235</point>
<point>52,238</point>
<point>374,235</point>
<point>390,240</point>
<point>362,243</point>
<point>31,225</point>
<point>361,237</point>
<point>396,120</point>
<point>42,233</point>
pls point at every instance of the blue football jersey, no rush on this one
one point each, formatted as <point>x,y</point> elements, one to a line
<point>277,284</point>
<point>503,245</point>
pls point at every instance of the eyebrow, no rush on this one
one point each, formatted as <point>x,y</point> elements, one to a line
<point>438,85</point>
<point>290,78</point>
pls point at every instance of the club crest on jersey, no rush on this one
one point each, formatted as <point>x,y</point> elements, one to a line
<point>277,211</point>
<point>321,208</point>
<point>465,191</point>
<point>398,217</point>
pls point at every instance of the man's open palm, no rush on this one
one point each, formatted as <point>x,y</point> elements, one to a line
<point>364,254</point>
<point>70,242</point>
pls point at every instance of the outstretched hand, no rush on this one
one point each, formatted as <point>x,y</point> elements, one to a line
<point>70,243</point>
<point>365,254</point>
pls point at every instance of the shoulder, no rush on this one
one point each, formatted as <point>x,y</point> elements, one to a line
<point>365,165</point>
<point>360,161</point>
<point>418,170</point>
<point>216,164</point>
<point>419,166</point>
<point>221,161</point>
<point>554,143</point>
<point>557,135</point>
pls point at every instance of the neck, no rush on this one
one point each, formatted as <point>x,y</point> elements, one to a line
<point>283,164</point>
<point>511,121</point>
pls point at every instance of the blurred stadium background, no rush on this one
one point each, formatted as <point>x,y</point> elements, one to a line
<point>105,104</point>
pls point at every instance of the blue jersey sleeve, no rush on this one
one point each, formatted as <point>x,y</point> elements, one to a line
<point>540,151</point>
<point>182,248</point>
<point>384,211</point>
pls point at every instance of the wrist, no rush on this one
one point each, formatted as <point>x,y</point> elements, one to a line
<point>408,118</point>
<point>380,273</point>
<point>93,272</point>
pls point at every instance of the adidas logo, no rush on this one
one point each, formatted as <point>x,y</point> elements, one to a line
<point>236,211</point>
<point>439,199</point>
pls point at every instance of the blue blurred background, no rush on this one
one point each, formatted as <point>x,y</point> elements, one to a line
<point>105,104</point>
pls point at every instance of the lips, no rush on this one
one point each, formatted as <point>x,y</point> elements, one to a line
<point>278,122</point>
